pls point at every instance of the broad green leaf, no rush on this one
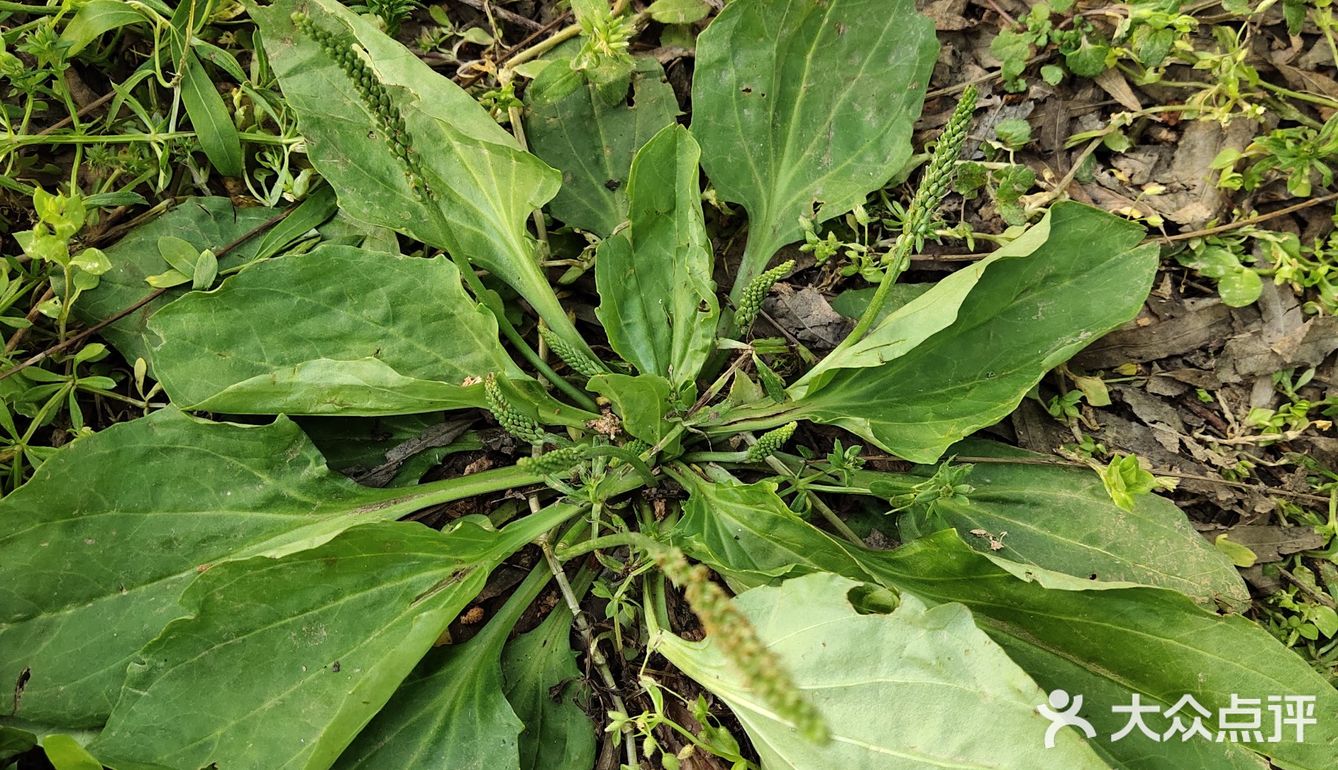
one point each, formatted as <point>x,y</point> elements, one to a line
<point>205,223</point>
<point>919,688</point>
<point>1107,639</point>
<point>94,19</point>
<point>804,107</point>
<point>1020,318</point>
<point>109,531</point>
<point>713,511</point>
<point>1061,519</point>
<point>210,118</point>
<point>924,315</point>
<point>544,686</point>
<point>311,334</point>
<point>480,185</point>
<point>450,712</point>
<point>1132,639</point>
<point>571,127</point>
<point>643,403</point>
<point>657,300</point>
<point>282,661</point>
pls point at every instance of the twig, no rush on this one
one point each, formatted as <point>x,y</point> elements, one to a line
<point>1307,590</point>
<point>518,47</point>
<point>718,384</point>
<point>83,111</point>
<point>510,17</point>
<point>1063,185</point>
<point>591,644</point>
<point>1254,220</point>
<point>827,513</point>
<point>112,232</point>
<point>1005,14</point>
<point>789,336</point>
<point>987,77</point>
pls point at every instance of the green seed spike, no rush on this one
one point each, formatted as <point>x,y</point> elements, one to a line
<point>942,167</point>
<point>374,95</point>
<point>512,420</point>
<point>577,360</point>
<point>736,637</point>
<point>770,442</point>
<point>558,462</point>
<point>750,304</point>
<point>920,214</point>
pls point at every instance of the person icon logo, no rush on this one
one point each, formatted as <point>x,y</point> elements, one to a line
<point>1062,711</point>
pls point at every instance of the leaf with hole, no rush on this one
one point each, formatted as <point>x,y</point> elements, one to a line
<point>944,694</point>
<point>1107,639</point>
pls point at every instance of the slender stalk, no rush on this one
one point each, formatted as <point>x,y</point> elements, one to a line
<point>821,507</point>
<point>901,257</point>
<point>922,211</point>
<point>509,330</point>
<point>26,140</point>
<point>510,613</point>
<point>587,636</point>
<point>604,543</point>
<point>400,501</point>
<point>715,457</point>
<point>761,418</point>
<point>36,10</point>
<point>757,253</point>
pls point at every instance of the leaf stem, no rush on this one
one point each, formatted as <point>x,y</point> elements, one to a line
<point>822,508</point>
<point>402,501</point>
<point>506,618</point>
<point>715,457</point>
<point>606,542</point>
<point>601,664</point>
<point>757,253</point>
<point>627,456</point>
<point>490,301</point>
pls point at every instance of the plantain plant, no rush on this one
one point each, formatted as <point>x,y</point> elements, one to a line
<point>204,593</point>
